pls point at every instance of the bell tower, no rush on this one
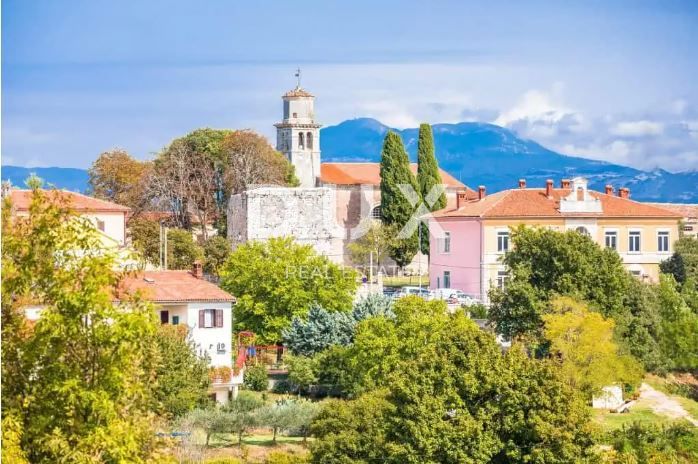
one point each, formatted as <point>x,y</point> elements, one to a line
<point>298,135</point>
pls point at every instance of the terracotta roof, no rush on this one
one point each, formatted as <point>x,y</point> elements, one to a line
<point>369,173</point>
<point>686,210</point>
<point>21,199</point>
<point>174,287</point>
<point>298,92</point>
<point>534,203</point>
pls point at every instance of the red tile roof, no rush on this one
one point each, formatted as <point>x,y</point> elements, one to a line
<point>535,203</point>
<point>298,92</point>
<point>21,199</point>
<point>686,210</point>
<point>369,174</point>
<point>174,287</point>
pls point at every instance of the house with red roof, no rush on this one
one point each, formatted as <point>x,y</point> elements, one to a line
<point>469,239</point>
<point>108,218</point>
<point>185,298</point>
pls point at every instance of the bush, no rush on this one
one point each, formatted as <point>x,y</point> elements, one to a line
<point>256,378</point>
<point>478,311</point>
<point>282,386</point>
<point>279,457</point>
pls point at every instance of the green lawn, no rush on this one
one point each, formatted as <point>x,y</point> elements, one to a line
<point>613,421</point>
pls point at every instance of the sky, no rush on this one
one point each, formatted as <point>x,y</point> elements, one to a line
<point>610,80</point>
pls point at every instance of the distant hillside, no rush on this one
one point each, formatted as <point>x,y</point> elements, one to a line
<point>65,178</point>
<point>475,153</point>
<point>485,154</point>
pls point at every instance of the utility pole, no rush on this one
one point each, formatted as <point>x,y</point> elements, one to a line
<point>370,272</point>
<point>419,259</point>
<point>165,252</point>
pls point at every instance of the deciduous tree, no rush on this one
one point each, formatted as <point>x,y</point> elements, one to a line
<point>278,279</point>
<point>77,378</point>
<point>116,176</point>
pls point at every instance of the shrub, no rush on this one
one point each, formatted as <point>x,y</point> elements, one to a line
<point>280,457</point>
<point>256,378</point>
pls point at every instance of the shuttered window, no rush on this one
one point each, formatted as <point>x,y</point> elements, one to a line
<point>209,318</point>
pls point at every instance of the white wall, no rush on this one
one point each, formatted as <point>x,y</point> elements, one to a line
<point>208,339</point>
<point>114,224</point>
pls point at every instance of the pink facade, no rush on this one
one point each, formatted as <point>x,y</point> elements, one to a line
<point>462,261</point>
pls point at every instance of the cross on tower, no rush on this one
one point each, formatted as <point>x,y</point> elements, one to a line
<point>298,77</point>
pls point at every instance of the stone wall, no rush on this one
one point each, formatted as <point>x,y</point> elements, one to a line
<point>306,214</point>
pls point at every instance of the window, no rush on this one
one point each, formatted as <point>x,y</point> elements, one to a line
<point>301,141</point>
<point>582,230</point>
<point>634,241</point>
<point>209,318</point>
<point>100,225</point>
<point>309,140</point>
<point>164,317</point>
<point>663,241</point>
<point>502,242</point>
<point>502,277</point>
<point>636,274</point>
<point>611,239</point>
<point>376,212</point>
<point>447,242</point>
<point>447,279</point>
<point>175,320</point>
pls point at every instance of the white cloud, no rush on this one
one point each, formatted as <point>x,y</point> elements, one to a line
<point>637,128</point>
<point>536,105</point>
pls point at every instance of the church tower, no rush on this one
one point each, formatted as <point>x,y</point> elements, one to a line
<point>298,135</point>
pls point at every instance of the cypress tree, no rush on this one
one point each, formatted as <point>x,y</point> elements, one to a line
<point>427,176</point>
<point>396,209</point>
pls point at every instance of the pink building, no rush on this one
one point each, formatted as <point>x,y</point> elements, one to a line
<point>468,241</point>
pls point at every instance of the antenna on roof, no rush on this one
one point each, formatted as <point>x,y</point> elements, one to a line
<point>298,78</point>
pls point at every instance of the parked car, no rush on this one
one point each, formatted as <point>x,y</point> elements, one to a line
<point>405,291</point>
<point>454,296</point>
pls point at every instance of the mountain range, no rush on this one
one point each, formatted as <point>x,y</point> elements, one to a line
<point>475,153</point>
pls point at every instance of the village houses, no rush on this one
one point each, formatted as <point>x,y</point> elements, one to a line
<point>469,240</point>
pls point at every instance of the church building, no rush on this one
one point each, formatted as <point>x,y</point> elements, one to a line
<point>335,202</point>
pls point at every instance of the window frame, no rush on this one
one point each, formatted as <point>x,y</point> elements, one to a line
<point>666,234</point>
<point>447,279</point>
<point>502,278</point>
<point>216,318</point>
<point>632,233</point>
<point>501,235</point>
<point>610,233</point>
<point>446,249</point>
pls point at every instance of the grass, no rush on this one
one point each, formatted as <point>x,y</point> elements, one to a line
<point>613,421</point>
<point>401,281</point>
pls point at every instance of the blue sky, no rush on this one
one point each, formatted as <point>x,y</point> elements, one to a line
<point>611,80</point>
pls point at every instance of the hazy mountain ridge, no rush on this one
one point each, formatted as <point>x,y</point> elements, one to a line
<point>485,154</point>
<point>475,153</point>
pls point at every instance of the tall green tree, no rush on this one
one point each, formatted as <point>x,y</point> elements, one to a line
<point>78,378</point>
<point>182,375</point>
<point>683,264</point>
<point>397,208</point>
<point>428,177</point>
<point>278,279</point>
<point>582,341</point>
<point>441,390</point>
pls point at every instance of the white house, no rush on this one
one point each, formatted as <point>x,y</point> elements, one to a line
<point>184,297</point>
<point>108,218</point>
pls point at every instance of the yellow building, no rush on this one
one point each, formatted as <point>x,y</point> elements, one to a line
<point>470,240</point>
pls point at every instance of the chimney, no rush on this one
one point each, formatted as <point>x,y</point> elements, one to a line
<point>522,183</point>
<point>565,183</point>
<point>481,192</point>
<point>624,192</point>
<point>609,189</point>
<point>549,188</point>
<point>460,198</point>
<point>197,270</point>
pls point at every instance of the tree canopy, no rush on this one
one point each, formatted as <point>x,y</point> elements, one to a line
<point>428,176</point>
<point>77,379</point>
<point>116,176</point>
<point>439,389</point>
<point>396,208</point>
<point>278,279</point>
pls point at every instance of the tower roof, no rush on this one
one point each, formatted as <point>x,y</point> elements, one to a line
<point>298,92</point>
